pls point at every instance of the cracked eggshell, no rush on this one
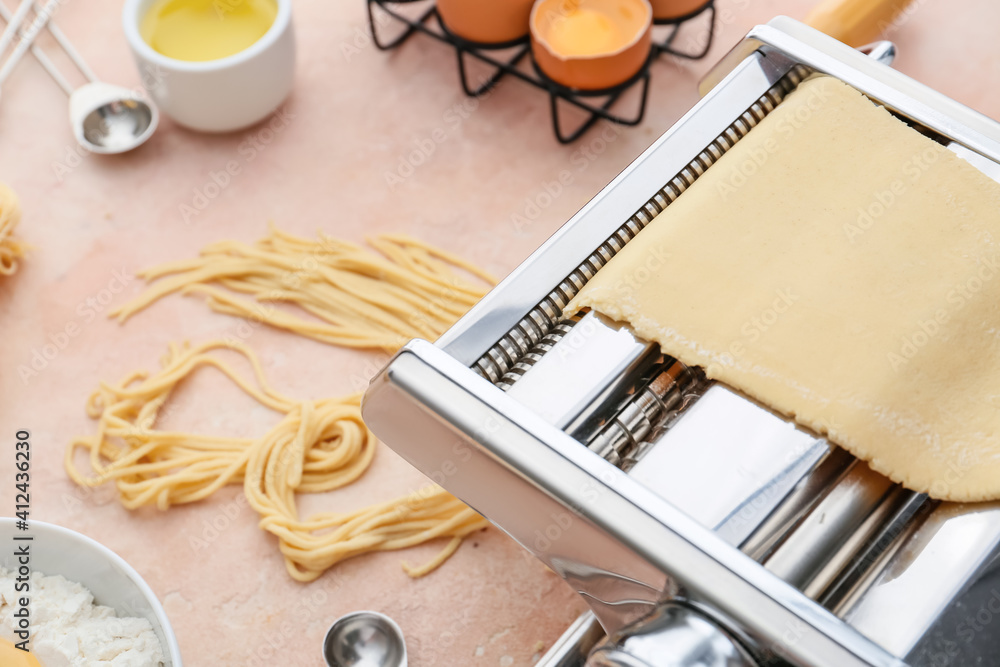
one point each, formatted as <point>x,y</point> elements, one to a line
<point>486,21</point>
<point>673,9</point>
<point>608,68</point>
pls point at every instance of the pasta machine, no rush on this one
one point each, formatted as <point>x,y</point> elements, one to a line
<point>700,527</point>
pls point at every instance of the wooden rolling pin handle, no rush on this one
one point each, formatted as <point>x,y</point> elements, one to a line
<point>856,22</point>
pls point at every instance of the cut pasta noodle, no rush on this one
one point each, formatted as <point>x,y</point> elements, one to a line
<point>357,299</point>
<point>318,446</point>
<point>11,249</point>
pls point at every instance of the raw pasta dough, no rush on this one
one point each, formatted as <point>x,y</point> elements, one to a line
<point>359,299</point>
<point>318,446</point>
<point>844,270</point>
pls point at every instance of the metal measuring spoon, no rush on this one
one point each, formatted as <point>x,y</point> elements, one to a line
<point>110,119</point>
<point>105,118</point>
<point>364,639</point>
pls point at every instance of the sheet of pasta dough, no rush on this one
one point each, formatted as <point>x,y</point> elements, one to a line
<point>844,270</point>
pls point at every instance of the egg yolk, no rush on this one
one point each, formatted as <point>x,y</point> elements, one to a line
<point>199,30</point>
<point>11,656</point>
<point>585,32</point>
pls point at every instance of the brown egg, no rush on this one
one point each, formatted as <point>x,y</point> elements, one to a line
<point>672,9</point>
<point>486,21</point>
<point>591,44</point>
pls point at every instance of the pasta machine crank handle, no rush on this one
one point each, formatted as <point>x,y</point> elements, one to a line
<point>675,635</point>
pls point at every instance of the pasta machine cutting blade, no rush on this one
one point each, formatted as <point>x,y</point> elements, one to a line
<point>701,528</point>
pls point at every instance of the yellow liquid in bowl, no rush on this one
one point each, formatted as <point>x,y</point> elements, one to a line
<point>585,32</point>
<point>11,656</point>
<point>199,30</point>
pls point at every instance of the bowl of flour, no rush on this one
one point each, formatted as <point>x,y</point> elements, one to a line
<point>87,605</point>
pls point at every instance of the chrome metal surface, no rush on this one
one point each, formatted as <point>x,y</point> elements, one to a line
<point>765,459</point>
<point>801,499</point>
<point>908,509</point>
<point>583,375</point>
<point>364,639</point>
<point>674,636</point>
<point>934,589</point>
<point>573,647</point>
<point>883,52</point>
<point>621,441</point>
<point>836,519</point>
<point>788,40</point>
<point>117,125</point>
<point>535,351</point>
<point>667,530</point>
<point>110,119</point>
<point>935,599</point>
<point>530,300</point>
<point>607,535</point>
<point>845,556</point>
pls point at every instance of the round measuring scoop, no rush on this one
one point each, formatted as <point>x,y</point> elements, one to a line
<point>105,118</point>
<point>110,119</point>
<point>364,639</point>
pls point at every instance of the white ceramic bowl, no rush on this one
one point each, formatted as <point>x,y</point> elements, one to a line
<point>57,550</point>
<point>221,95</point>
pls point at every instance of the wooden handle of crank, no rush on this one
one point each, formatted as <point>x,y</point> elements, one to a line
<point>856,22</point>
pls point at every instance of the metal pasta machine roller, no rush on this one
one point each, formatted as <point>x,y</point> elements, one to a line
<point>701,528</point>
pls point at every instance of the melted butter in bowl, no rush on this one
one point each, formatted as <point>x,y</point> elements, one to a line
<point>201,30</point>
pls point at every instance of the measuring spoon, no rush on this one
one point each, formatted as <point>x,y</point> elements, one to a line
<point>364,639</point>
<point>105,118</point>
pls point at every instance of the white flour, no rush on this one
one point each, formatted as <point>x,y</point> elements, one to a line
<point>69,630</point>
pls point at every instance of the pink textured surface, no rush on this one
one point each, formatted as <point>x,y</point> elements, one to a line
<point>355,114</point>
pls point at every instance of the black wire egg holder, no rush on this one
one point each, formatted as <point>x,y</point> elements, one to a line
<point>589,101</point>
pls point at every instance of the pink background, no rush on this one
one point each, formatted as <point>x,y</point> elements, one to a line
<point>355,114</point>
